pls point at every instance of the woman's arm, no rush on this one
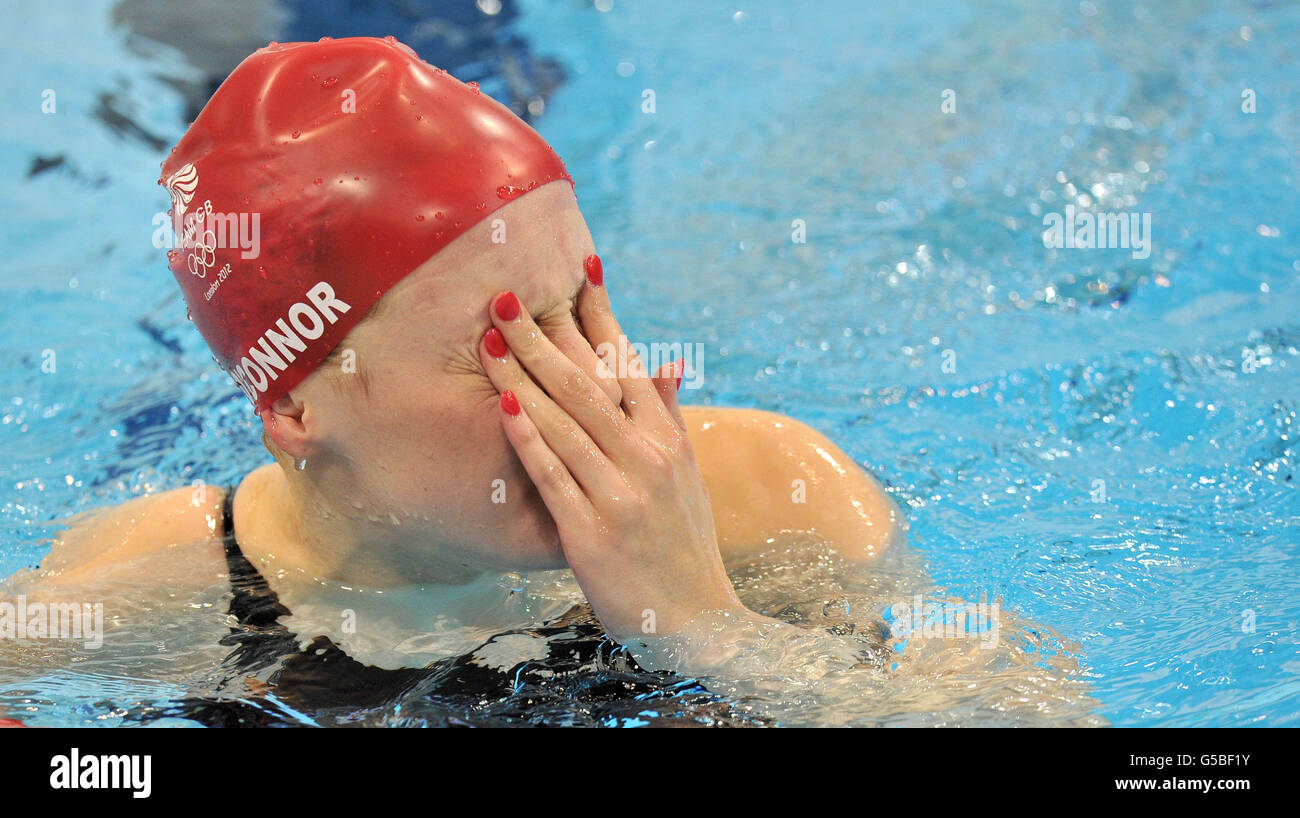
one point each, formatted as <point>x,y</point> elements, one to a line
<point>99,545</point>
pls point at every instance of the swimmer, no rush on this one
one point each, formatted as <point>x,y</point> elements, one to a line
<point>418,315</point>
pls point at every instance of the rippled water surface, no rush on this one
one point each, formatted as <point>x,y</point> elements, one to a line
<point>1103,442</point>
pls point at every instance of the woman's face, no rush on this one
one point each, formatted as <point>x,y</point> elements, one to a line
<point>420,445</point>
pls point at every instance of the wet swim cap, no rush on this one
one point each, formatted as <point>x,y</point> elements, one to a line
<point>317,177</point>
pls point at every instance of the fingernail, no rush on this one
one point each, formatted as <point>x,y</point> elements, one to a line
<point>679,382</point>
<point>595,270</point>
<point>507,307</point>
<point>495,343</point>
<point>510,403</point>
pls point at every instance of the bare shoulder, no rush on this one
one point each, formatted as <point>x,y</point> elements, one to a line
<point>769,474</point>
<point>108,542</point>
<point>726,420</point>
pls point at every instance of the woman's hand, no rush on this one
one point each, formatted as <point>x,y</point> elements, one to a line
<point>620,481</point>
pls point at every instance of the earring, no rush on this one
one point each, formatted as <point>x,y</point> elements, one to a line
<point>300,463</point>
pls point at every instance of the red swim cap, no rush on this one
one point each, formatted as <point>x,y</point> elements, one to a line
<point>317,177</point>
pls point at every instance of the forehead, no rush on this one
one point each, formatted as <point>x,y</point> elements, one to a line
<point>534,246</point>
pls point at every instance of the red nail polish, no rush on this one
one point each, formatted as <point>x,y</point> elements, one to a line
<point>495,343</point>
<point>510,403</point>
<point>679,383</point>
<point>595,270</point>
<point>507,307</point>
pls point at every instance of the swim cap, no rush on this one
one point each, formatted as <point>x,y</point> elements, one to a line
<point>317,177</point>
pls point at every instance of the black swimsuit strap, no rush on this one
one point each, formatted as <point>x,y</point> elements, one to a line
<point>316,675</point>
<point>254,604</point>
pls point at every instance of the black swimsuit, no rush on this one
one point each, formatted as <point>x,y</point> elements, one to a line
<point>261,641</point>
<point>577,677</point>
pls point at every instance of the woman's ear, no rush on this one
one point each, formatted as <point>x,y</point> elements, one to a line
<point>284,423</point>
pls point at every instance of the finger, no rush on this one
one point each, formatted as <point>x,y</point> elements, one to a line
<point>607,338</point>
<point>571,388</point>
<point>570,341</point>
<point>563,497</point>
<point>583,457</point>
<point>667,383</point>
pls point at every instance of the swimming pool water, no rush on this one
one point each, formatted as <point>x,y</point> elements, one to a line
<point>1104,442</point>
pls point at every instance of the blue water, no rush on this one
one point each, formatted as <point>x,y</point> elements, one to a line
<point>1106,443</point>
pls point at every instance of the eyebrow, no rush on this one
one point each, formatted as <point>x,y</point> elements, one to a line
<point>477,333</point>
<point>577,291</point>
<point>572,298</point>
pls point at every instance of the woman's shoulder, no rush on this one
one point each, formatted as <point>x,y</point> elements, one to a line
<point>115,540</point>
<point>758,429</point>
<point>769,473</point>
<point>726,418</point>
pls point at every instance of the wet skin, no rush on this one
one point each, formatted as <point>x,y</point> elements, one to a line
<point>404,475</point>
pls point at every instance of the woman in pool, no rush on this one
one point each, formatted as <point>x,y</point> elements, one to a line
<point>414,306</point>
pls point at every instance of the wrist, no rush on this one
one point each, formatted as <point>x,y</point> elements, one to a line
<point>705,642</point>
